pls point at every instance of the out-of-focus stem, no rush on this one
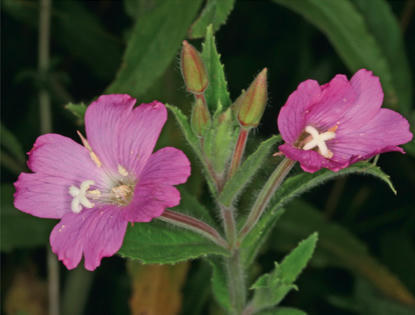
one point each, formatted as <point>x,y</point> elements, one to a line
<point>193,224</point>
<point>239,151</point>
<point>46,126</point>
<point>76,292</point>
<point>265,195</point>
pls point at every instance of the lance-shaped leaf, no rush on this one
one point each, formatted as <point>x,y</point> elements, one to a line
<point>217,91</point>
<point>294,186</point>
<point>271,288</point>
<point>248,169</point>
<point>158,242</point>
<point>219,286</point>
<point>216,13</point>
<point>365,35</point>
<point>153,45</point>
<point>337,247</point>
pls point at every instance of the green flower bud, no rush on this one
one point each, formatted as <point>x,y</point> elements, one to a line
<point>193,70</point>
<point>200,117</point>
<point>252,103</point>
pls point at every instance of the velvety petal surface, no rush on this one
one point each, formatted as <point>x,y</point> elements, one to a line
<point>121,135</point>
<point>93,233</point>
<point>382,133</point>
<point>58,163</point>
<point>292,119</point>
<point>167,166</point>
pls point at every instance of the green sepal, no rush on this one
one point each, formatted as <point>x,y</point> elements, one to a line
<point>78,110</point>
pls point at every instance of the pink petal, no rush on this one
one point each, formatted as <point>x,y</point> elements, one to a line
<point>383,133</point>
<point>167,166</point>
<point>310,161</point>
<point>59,162</point>
<point>93,233</point>
<point>121,135</point>
<point>291,120</point>
<point>150,201</point>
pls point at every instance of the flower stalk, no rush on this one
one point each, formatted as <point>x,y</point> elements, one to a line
<point>265,195</point>
<point>193,224</point>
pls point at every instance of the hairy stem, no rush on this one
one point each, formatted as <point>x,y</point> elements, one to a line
<point>195,225</point>
<point>229,225</point>
<point>239,151</point>
<point>236,282</point>
<point>274,181</point>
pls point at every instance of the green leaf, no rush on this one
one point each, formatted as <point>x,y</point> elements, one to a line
<point>248,169</point>
<point>96,48</point>
<point>216,13</point>
<point>216,91</point>
<point>153,45</point>
<point>361,39</point>
<point>158,242</point>
<point>77,109</point>
<point>338,247</point>
<point>193,141</point>
<point>11,144</point>
<point>294,186</point>
<point>271,288</point>
<point>18,229</point>
<point>282,311</point>
<point>219,286</point>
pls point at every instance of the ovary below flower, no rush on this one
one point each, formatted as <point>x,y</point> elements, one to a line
<point>98,187</point>
<point>339,123</point>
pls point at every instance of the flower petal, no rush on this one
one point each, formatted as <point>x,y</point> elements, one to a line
<point>150,201</point>
<point>291,120</point>
<point>310,161</point>
<point>94,233</point>
<point>59,162</point>
<point>383,133</point>
<point>121,135</point>
<point>167,166</point>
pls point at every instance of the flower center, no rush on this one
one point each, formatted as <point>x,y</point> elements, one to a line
<point>79,196</point>
<point>318,140</point>
<point>122,194</point>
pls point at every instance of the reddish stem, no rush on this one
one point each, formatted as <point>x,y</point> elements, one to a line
<point>239,151</point>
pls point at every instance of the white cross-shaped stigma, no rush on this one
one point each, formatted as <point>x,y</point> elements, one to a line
<point>79,196</point>
<point>319,140</point>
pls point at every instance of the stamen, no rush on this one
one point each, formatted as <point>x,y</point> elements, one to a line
<point>79,196</point>
<point>92,154</point>
<point>122,170</point>
<point>319,140</point>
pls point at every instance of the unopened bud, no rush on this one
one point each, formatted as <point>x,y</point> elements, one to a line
<point>193,70</point>
<point>253,101</point>
<point>200,117</point>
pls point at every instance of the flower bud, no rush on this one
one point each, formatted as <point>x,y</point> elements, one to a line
<point>193,70</point>
<point>253,101</point>
<point>200,117</point>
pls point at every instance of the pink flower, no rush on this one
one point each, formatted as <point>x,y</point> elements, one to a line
<point>339,123</point>
<point>96,189</point>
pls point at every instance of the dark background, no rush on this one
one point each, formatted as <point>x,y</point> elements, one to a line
<point>258,34</point>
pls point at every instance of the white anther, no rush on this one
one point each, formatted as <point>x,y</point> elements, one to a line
<point>122,170</point>
<point>319,140</point>
<point>79,196</point>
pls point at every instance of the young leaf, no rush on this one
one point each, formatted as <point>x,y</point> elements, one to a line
<point>338,247</point>
<point>271,288</point>
<point>193,141</point>
<point>216,91</point>
<point>352,34</point>
<point>153,44</point>
<point>77,109</point>
<point>296,185</point>
<point>18,229</point>
<point>248,169</point>
<point>216,13</point>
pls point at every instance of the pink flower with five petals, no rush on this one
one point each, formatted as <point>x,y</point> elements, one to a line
<point>339,123</point>
<point>97,188</point>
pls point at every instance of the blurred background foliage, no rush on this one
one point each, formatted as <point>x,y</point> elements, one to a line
<point>366,254</point>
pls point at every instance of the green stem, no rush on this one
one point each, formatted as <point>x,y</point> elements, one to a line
<point>195,225</point>
<point>229,225</point>
<point>236,282</point>
<point>265,195</point>
<point>239,151</point>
